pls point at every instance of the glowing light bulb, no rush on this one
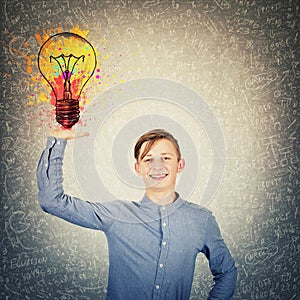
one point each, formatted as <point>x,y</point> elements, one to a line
<point>67,61</point>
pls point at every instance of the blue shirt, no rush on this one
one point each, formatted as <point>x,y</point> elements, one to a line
<point>152,248</point>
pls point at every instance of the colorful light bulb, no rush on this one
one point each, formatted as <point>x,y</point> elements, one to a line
<point>67,61</point>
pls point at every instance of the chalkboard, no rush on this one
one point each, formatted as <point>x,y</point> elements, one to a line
<point>240,57</point>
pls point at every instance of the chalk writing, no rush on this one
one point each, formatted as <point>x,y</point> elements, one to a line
<point>241,56</point>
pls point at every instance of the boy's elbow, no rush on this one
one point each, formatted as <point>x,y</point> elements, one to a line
<point>48,202</point>
<point>44,209</point>
<point>44,203</point>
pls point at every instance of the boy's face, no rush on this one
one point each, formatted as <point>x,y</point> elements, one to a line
<point>160,166</point>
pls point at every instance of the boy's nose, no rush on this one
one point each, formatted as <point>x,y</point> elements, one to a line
<point>157,163</point>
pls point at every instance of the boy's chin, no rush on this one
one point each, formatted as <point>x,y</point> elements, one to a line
<point>152,183</point>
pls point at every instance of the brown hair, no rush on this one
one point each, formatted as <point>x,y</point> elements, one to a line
<point>151,137</point>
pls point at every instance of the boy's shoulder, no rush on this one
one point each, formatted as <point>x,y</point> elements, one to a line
<point>197,208</point>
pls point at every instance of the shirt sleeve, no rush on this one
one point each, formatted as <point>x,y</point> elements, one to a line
<point>53,200</point>
<point>221,263</point>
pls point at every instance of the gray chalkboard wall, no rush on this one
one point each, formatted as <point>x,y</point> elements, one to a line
<point>241,56</point>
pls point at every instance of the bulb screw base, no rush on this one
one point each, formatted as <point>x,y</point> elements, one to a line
<point>67,112</point>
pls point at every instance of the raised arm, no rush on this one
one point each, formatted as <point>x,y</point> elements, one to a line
<point>221,263</point>
<point>51,194</point>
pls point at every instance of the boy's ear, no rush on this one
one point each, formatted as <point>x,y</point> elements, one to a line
<point>181,165</point>
<point>137,168</point>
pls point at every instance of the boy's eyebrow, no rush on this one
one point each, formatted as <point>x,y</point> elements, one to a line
<point>164,153</point>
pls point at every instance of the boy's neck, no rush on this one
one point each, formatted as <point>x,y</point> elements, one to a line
<point>161,198</point>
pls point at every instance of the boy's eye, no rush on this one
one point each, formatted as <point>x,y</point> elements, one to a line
<point>149,160</point>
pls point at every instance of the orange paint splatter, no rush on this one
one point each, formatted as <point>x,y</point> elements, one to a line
<point>41,92</point>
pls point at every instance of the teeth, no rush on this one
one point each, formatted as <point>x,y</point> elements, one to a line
<point>158,176</point>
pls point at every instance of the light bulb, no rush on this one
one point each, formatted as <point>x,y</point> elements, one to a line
<point>67,61</point>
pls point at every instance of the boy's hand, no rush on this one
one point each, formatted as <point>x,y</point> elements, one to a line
<point>67,134</point>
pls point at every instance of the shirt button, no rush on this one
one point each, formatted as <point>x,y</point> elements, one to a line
<point>163,208</point>
<point>157,287</point>
<point>53,142</point>
<point>164,224</point>
<point>58,143</point>
<point>46,165</point>
<point>164,243</point>
<point>161,265</point>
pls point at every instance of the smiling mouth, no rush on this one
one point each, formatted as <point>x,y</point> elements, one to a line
<point>158,176</point>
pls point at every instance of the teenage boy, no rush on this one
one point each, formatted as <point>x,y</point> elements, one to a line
<point>153,243</point>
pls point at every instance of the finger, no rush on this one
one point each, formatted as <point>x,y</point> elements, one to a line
<point>67,134</point>
<point>80,134</point>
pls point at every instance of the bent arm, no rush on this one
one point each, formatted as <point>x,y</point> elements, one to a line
<point>221,263</point>
<point>53,200</point>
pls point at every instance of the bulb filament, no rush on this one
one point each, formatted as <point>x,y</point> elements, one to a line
<point>67,109</point>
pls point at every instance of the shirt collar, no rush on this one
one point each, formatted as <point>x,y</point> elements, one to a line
<point>147,203</point>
